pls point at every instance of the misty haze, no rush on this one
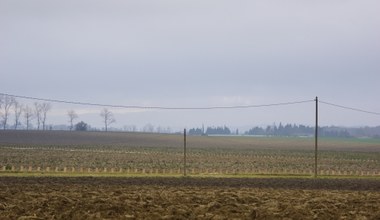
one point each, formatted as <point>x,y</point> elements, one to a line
<point>189,109</point>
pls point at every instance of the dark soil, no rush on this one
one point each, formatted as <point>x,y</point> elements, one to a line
<point>277,183</point>
<point>188,198</point>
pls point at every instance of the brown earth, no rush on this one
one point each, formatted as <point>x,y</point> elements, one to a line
<point>115,150</point>
<point>188,198</point>
<point>117,140</point>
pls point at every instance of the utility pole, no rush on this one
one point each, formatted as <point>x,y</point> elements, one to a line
<point>184,152</point>
<point>316,139</point>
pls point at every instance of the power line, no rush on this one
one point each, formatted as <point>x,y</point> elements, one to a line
<point>156,107</point>
<point>350,108</point>
<point>185,108</point>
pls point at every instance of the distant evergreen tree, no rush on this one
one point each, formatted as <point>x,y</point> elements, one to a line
<point>299,130</point>
<point>218,130</point>
<point>195,131</point>
<point>256,131</point>
<point>81,126</point>
<point>280,130</point>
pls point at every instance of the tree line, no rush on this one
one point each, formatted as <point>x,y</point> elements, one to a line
<point>9,105</point>
<point>298,130</point>
<point>293,130</point>
<point>16,115</point>
<point>24,114</point>
<point>220,130</point>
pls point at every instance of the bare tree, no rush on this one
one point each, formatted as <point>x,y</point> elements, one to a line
<point>72,116</point>
<point>38,114</point>
<point>148,128</point>
<point>18,110</point>
<point>107,118</point>
<point>6,102</point>
<point>161,129</point>
<point>28,115</point>
<point>45,107</point>
<point>131,128</point>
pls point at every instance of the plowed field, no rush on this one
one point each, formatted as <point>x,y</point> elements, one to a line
<point>188,198</point>
<point>218,155</point>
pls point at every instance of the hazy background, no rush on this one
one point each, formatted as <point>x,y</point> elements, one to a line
<point>195,53</point>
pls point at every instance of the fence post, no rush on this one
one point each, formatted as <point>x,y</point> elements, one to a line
<point>184,152</point>
<point>316,139</point>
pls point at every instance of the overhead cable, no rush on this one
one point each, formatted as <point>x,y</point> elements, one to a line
<point>350,108</point>
<point>155,107</point>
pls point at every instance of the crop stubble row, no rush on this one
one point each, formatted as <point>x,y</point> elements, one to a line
<point>135,151</point>
<point>200,161</point>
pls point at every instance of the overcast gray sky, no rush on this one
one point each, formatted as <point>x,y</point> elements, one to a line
<point>195,53</point>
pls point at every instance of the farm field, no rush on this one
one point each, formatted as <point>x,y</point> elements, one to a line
<point>188,198</point>
<point>95,175</point>
<point>131,153</point>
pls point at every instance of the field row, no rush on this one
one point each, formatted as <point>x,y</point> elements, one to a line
<point>198,159</point>
<point>120,140</point>
<point>270,154</point>
<point>180,171</point>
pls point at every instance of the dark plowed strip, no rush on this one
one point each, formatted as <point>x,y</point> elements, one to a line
<point>277,183</point>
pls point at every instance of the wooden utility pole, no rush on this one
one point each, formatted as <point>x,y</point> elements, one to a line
<point>316,139</point>
<point>184,152</point>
